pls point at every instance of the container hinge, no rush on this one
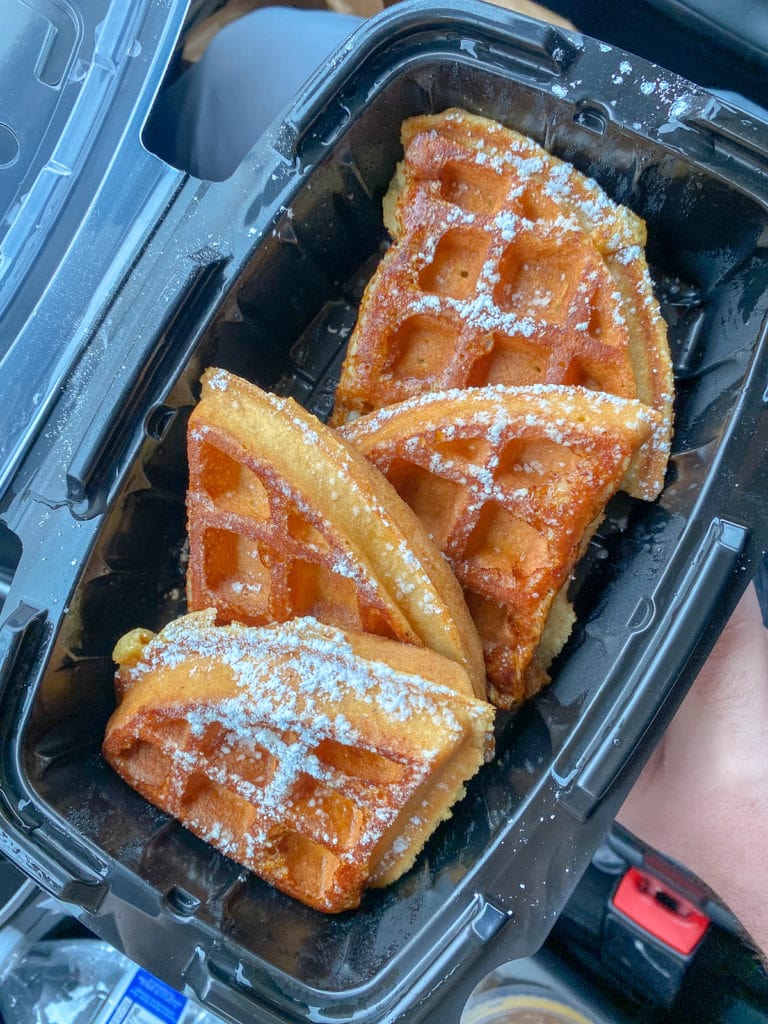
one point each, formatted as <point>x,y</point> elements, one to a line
<point>15,633</point>
<point>59,880</point>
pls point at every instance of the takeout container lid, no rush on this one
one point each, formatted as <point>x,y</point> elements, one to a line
<point>78,190</point>
<point>240,269</point>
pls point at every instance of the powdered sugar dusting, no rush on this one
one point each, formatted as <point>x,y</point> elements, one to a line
<point>502,302</point>
<point>400,584</point>
<point>295,687</point>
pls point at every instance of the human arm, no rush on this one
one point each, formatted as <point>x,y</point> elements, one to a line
<point>703,796</point>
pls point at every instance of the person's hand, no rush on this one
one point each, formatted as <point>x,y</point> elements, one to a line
<point>703,797</point>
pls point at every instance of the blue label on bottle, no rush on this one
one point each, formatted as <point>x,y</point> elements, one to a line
<point>148,1000</point>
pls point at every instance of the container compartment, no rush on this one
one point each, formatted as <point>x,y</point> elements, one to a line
<point>517,844</point>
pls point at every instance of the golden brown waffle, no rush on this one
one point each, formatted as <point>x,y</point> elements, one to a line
<point>320,760</point>
<point>508,266</point>
<point>286,519</point>
<point>510,483</point>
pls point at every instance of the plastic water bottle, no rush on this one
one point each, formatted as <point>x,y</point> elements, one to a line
<point>86,981</point>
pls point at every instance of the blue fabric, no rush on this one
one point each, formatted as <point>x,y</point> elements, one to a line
<point>213,114</point>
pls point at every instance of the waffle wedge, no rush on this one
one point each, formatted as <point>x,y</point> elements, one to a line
<point>320,760</point>
<point>508,266</point>
<point>510,483</point>
<point>286,519</point>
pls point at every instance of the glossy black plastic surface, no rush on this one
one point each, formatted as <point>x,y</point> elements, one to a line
<point>78,191</point>
<point>262,274</point>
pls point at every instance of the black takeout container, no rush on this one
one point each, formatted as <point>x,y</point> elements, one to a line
<point>262,274</point>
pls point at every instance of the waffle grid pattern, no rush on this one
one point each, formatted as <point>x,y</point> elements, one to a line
<point>318,759</point>
<point>317,842</point>
<point>507,267</point>
<point>260,554</point>
<point>510,484</point>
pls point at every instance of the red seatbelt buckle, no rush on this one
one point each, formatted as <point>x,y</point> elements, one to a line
<point>660,911</point>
